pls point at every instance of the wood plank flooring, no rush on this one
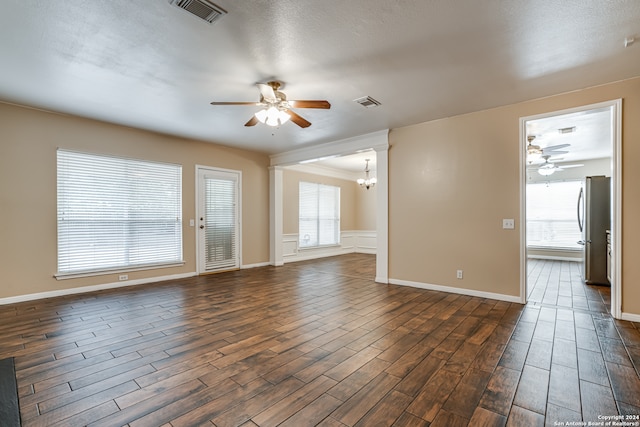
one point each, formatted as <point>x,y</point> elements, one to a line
<point>319,343</point>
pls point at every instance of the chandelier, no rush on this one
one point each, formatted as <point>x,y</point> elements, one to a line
<point>367,182</point>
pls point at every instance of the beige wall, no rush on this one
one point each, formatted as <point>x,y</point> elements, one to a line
<point>290,196</point>
<point>366,213</point>
<point>447,199</point>
<point>28,143</point>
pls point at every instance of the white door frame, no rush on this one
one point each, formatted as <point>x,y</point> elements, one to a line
<point>200,268</point>
<point>616,177</point>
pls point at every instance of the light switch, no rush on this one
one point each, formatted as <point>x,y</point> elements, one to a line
<point>508,224</point>
<point>192,223</point>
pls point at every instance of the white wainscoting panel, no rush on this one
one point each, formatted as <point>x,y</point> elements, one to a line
<point>350,242</point>
<point>366,242</point>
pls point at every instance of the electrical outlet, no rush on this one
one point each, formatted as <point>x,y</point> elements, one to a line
<point>459,274</point>
<point>123,277</point>
<point>508,224</point>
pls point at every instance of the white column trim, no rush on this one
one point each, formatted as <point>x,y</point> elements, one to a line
<point>382,214</point>
<point>275,215</point>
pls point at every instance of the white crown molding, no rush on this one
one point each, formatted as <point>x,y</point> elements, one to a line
<point>376,140</point>
<point>325,171</point>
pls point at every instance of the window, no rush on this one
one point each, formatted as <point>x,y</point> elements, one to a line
<point>551,215</point>
<point>319,215</point>
<point>116,213</point>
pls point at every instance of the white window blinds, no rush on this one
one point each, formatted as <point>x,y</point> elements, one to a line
<point>220,223</point>
<point>551,215</point>
<point>116,213</point>
<point>319,215</point>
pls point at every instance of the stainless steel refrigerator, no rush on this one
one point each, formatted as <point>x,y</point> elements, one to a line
<point>594,219</point>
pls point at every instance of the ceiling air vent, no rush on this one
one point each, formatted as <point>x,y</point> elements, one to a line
<point>203,9</point>
<point>367,101</point>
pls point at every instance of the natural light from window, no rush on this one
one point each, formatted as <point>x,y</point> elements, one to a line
<point>552,215</point>
<point>117,213</point>
<point>319,215</point>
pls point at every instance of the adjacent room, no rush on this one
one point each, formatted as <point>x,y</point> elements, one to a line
<point>568,205</point>
<point>303,213</point>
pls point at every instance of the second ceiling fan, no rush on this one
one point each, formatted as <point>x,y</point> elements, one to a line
<point>276,108</point>
<point>536,152</point>
<point>549,167</point>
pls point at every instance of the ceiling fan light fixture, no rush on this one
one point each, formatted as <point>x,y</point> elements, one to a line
<point>272,116</point>
<point>261,116</point>
<point>534,155</point>
<point>276,110</point>
<point>283,116</point>
<point>546,171</point>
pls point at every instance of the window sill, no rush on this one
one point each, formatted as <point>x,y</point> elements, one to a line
<point>92,273</point>
<point>554,248</point>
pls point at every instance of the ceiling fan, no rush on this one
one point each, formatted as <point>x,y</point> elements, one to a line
<point>535,152</point>
<point>276,108</point>
<point>549,168</point>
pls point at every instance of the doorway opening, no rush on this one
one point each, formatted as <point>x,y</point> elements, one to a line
<point>570,200</point>
<point>378,142</point>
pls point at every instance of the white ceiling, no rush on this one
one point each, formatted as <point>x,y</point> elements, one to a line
<point>147,64</point>
<point>591,136</point>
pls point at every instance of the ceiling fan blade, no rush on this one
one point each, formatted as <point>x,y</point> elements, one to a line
<point>569,166</point>
<point>310,104</point>
<point>267,92</point>
<point>299,120</point>
<point>554,153</point>
<point>555,147</point>
<point>252,121</point>
<point>234,103</point>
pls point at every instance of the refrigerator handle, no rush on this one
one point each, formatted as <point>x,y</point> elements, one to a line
<point>580,199</point>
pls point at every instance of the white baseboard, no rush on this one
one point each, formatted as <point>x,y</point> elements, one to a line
<point>93,288</point>
<point>256,265</point>
<point>449,289</point>
<point>363,250</point>
<point>630,317</point>
<point>311,254</point>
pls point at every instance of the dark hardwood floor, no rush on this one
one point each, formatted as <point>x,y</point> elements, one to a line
<point>319,343</point>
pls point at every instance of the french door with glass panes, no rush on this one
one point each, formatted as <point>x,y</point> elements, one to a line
<point>218,222</point>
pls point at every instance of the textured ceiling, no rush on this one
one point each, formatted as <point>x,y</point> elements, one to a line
<point>149,65</point>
